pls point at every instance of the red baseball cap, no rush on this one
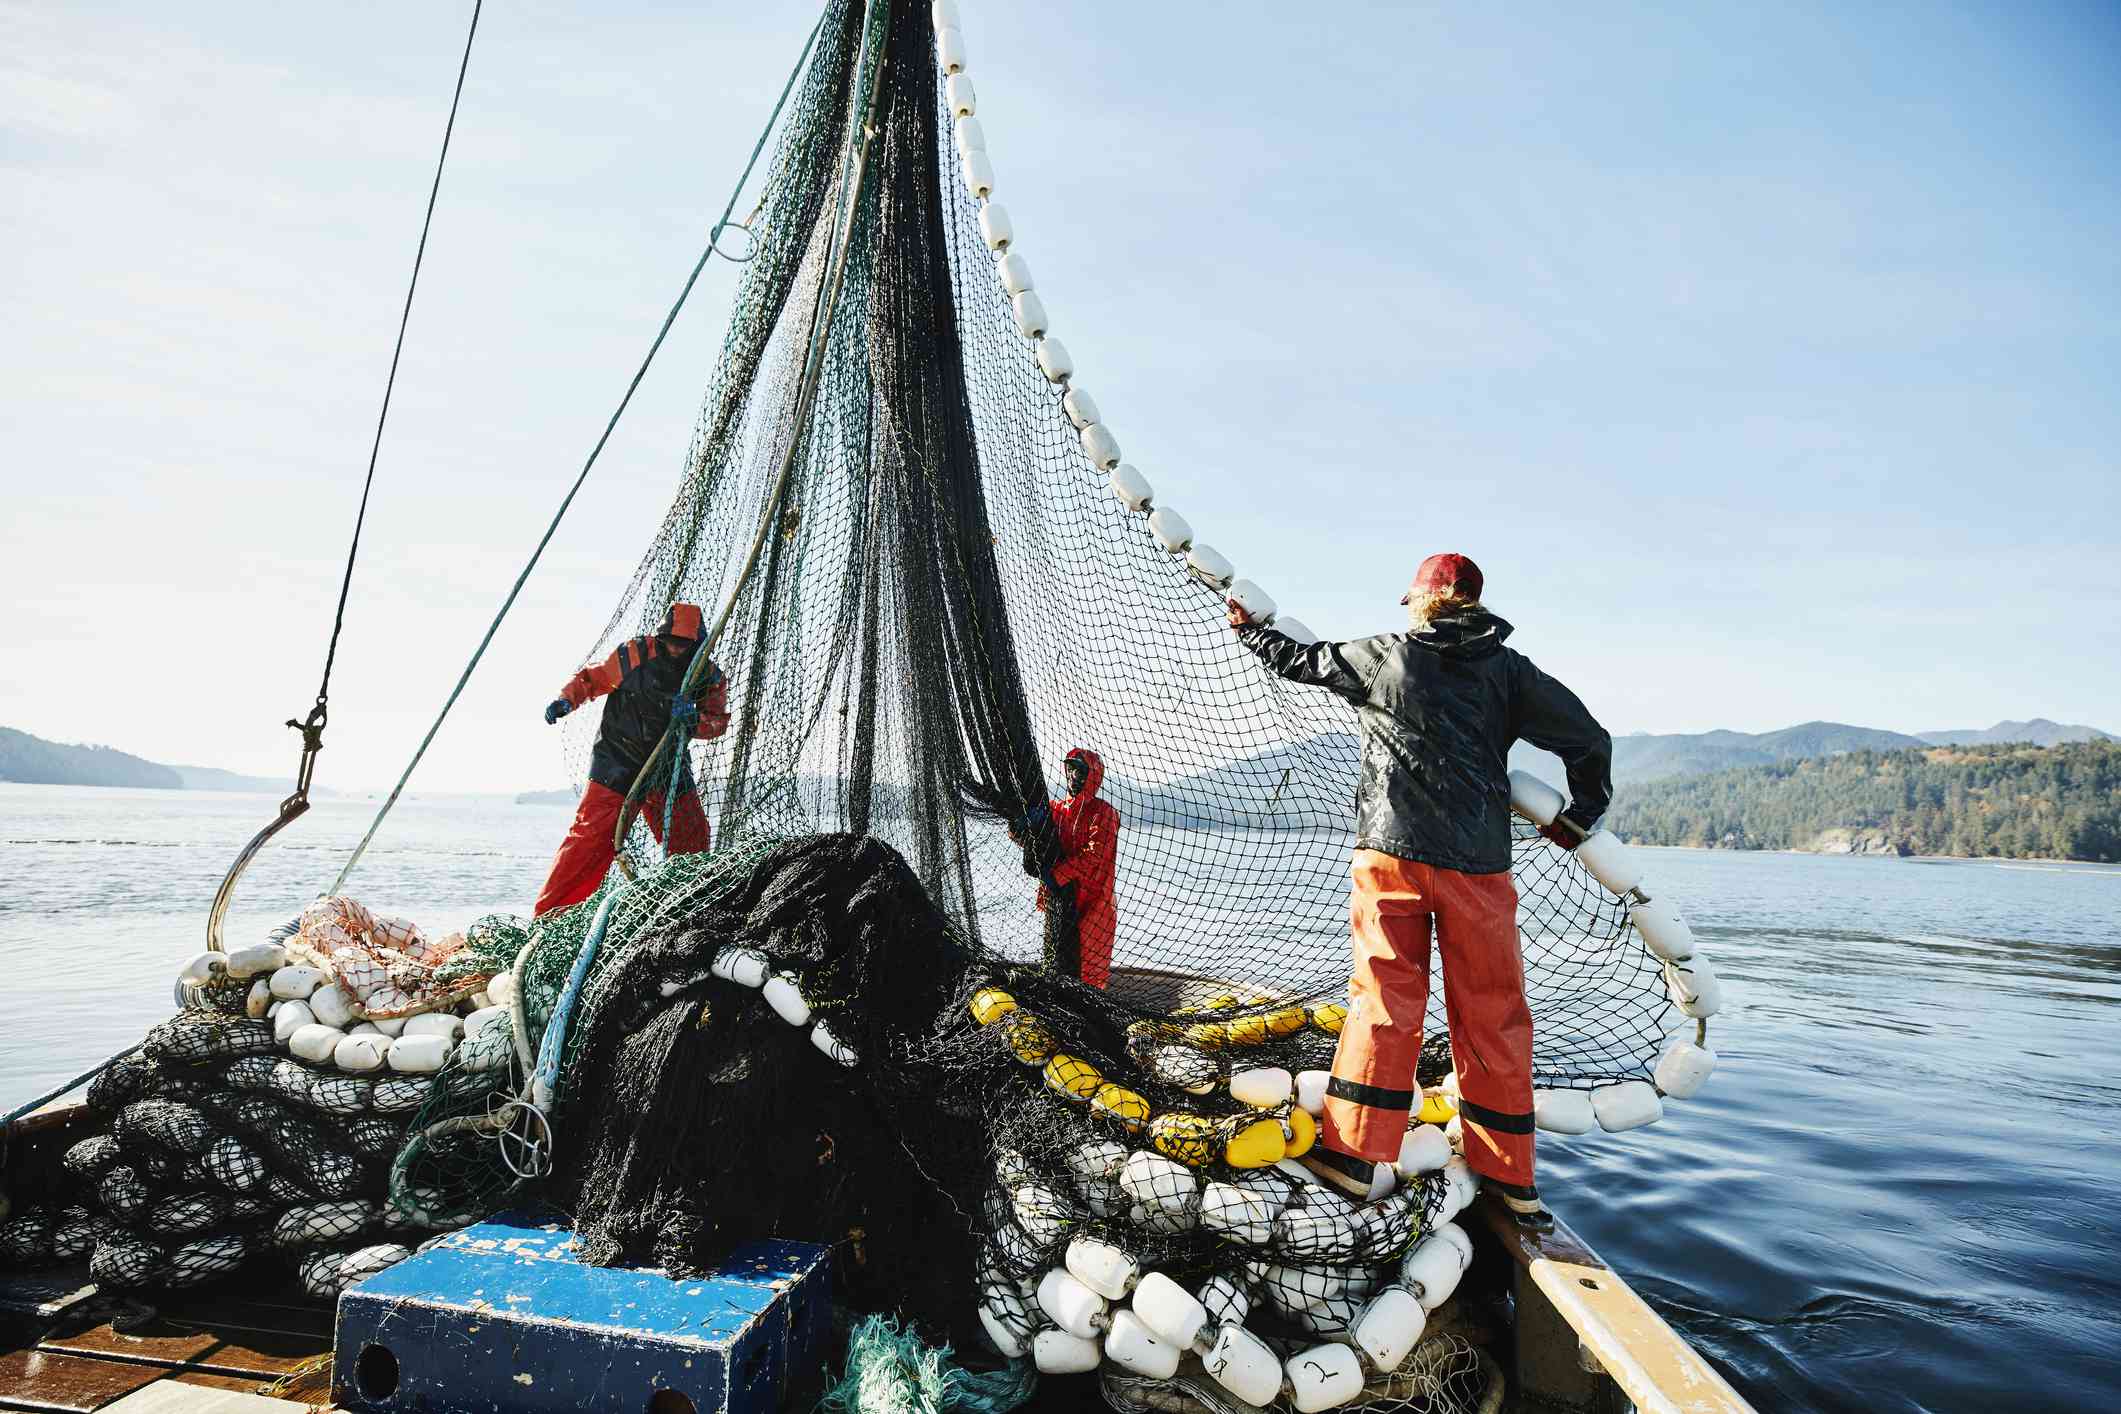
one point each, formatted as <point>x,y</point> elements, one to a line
<point>1441,572</point>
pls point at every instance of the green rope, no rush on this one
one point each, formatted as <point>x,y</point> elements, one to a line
<point>669,319</point>
<point>891,1370</point>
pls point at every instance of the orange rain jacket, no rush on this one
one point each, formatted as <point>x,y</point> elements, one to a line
<point>642,676</point>
<point>1089,839</point>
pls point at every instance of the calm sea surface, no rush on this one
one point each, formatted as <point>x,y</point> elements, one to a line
<point>1898,1193</point>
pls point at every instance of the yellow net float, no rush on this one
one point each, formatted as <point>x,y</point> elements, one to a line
<point>1285,1021</point>
<point>1072,1077</point>
<point>991,1004</point>
<point>1248,1030</point>
<point>1208,1035</point>
<point>1031,1039</point>
<point>1256,1145</point>
<point>1121,1105</point>
<point>1301,1133</point>
<point>1436,1108</point>
<point>1329,1017</point>
<point>1188,1138</point>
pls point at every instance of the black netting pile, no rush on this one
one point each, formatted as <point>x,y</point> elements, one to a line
<point>216,1150</point>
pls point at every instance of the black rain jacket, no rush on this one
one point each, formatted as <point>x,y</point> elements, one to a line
<point>1439,710</point>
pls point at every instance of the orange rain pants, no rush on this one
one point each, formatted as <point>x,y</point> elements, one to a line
<point>586,853</point>
<point>1373,1086</point>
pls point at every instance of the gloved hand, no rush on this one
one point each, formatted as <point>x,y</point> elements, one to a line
<point>556,709</point>
<point>1567,831</point>
<point>1239,618</point>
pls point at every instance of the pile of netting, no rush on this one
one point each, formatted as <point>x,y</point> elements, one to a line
<point>260,1123</point>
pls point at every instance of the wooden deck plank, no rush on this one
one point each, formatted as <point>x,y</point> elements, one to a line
<point>222,1349</point>
<point>54,1381</point>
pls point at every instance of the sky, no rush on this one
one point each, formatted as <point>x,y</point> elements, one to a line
<point>1765,357</point>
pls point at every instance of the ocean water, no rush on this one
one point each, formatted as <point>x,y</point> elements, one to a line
<point>1901,1191</point>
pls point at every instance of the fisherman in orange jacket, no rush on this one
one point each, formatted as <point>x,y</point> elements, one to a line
<point>642,677</point>
<point>1439,706</point>
<point>1088,831</point>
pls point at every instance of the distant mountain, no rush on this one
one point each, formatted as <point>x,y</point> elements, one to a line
<point>2013,801</point>
<point>1644,757</point>
<point>214,778</point>
<point>2039,731</point>
<point>31,760</point>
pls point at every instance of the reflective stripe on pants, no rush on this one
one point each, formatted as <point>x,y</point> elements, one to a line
<point>1373,1086</point>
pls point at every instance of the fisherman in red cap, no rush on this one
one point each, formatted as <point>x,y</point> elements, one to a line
<point>1440,705</point>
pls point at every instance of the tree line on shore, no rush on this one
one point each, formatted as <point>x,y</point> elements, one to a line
<point>2002,801</point>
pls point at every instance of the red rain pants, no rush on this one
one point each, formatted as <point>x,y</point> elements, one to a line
<point>586,853</point>
<point>1373,1087</point>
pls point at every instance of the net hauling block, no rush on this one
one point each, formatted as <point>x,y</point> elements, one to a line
<point>505,1315</point>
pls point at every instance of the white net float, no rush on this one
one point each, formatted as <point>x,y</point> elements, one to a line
<point>747,967</point>
<point>1323,1377</point>
<point>1461,1187</point>
<point>994,227</point>
<point>421,1054</point>
<point>1080,407</point>
<point>1326,1234</point>
<point>1609,861</point>
<point>1210,566</point>
<point>297,982</point>
<point>431,1023</point>
<point>1263,1087</point>
<point>1424,1150</point>
<point>1662,930</point>
<point>1054,362</point>
<point>1000,1335</point>
<point>1225,1300</point>
<point>1169,1310</point>
<point>479,1020</point>
<point>944,14</point>
<point>259,958</point>
<point>333,1005</point>
<point>821,1037</point>
<point>1684,1068</point>
<point>1694,987</point>
<point>1535,799</point>
<point>1159,1184</point>
<point>950,49</point>
<point>1099,445</point>
<point>1296,630</point>
<point>394,1026</point>
<point>970,136</point>
<point>1563,1111</point>
<point>1103,1268</point>
<point>1255,601</point>
<point>1132,1346</point>
<point>315,1042</point>
<point>1431,1270</point>
<point>203,968</point>
<point>1628,1105</point>
<point>1014,272</point>
<point>1170,530</point>
<point>365,1028</point>
<point>957,92</point>
<point>258,1000</point>
<point>360,1053</point>
<point>1239,1215</point>
<point>1069,1304</point>
<point>1042,1213</point>
<point>501,988</point>
<point>289,1018</point>
<point>1063,1353</point>
<point>786,999</point>
<point>1241,1363</point>
<point>1131,487</point>
<point>1096,1158</point>
<point>977,171</point>
<point>1030,314</point>
<point>1311,1090</point>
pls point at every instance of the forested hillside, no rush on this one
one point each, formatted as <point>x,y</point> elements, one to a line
<point>35,761</point>
<point>2012,801</point>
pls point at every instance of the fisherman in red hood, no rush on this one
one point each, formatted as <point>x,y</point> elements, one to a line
<point>642,677</point>
<point>1088,830</point>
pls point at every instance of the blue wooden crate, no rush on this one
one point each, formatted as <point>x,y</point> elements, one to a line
<point>504,1316</point>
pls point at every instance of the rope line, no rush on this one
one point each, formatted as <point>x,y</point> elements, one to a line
<point>596,451</point>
